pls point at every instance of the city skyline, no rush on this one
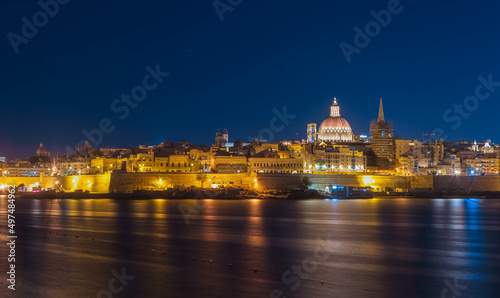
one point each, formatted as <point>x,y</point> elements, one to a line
<point>93,139</point>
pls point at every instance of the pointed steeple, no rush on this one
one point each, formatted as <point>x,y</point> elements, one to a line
<point>381,112</point>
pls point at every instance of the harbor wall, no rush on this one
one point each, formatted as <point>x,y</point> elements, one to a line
<point>464,183</point>
<point>321,181</point>
<point>128,182</point>
<point>92,183</point>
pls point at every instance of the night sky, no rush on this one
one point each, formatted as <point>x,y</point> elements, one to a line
<point>231,74</point>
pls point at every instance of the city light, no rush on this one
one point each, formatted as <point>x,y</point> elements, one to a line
<point>368,180</point>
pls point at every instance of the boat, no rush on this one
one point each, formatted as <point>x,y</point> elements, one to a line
<point>351,192</point>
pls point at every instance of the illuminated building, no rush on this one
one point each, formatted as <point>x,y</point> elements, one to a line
<point>275,165</point>
<point>340,159</point>
<point>332,129</point>
<point>484,165</point>
<point>174,164</point>
<point>3,166</point>
<point>201,159</point>
<point>382,141</point>
<point>141,162</point>
<point>312,132</point>
<point>73,168</point>
<point>432,154</point>
<point>24,168</point>
<point>223,162</point>
<point>407,156</point>
<point>102,165</point>
<point>406,165</point>
<point>274,161</point>
<point>294,148</point>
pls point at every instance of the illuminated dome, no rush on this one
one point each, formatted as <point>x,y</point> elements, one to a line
<point>335,128</point>
<point>335,124</point>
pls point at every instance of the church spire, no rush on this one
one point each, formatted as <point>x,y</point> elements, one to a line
<point>381,112</point>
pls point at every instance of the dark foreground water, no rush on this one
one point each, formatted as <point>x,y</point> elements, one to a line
<point>359,248</point>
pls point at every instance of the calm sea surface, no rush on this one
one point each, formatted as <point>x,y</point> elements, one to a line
<point>358,248</point>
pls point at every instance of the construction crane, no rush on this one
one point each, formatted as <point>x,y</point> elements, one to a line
<point>428,134</point>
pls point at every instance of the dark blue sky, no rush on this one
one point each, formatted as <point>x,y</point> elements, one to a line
<point>231,74</point>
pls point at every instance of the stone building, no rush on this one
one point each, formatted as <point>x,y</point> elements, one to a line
<point>102,164</point>
<point>73,168</point>
<point>223,162</point>
<point>480,166</point>
<point>382,141</point>
<point>407,156</point>
<point>141,162</point>
<point>24,168</point>
<point>274,161</point>
<point>201,159</point>
<point>174,164</point>
<point>339,159</point>
<point>432,154</point>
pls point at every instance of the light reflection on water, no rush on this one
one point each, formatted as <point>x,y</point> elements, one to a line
<point>402,246</point>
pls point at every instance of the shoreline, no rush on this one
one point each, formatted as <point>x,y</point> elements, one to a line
<point>236,194</point>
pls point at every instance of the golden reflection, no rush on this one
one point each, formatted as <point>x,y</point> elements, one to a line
<point>88,210</point>
<point>255,229</point>
<point>159,207</point>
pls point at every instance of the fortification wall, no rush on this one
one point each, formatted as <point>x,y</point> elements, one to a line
<point>379,182</point>
<point>463,183</point>
<point>92,183</point>
<point>128,182</point>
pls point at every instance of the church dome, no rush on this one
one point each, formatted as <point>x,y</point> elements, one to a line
<point>41,150</point>
<point>335,128</point>
<point>335,124</point>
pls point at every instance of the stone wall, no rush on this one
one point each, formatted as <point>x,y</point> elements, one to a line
<point>463,183</point>
<point>320,181</point>
<point>92,183</point>
<point>128,182</point>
